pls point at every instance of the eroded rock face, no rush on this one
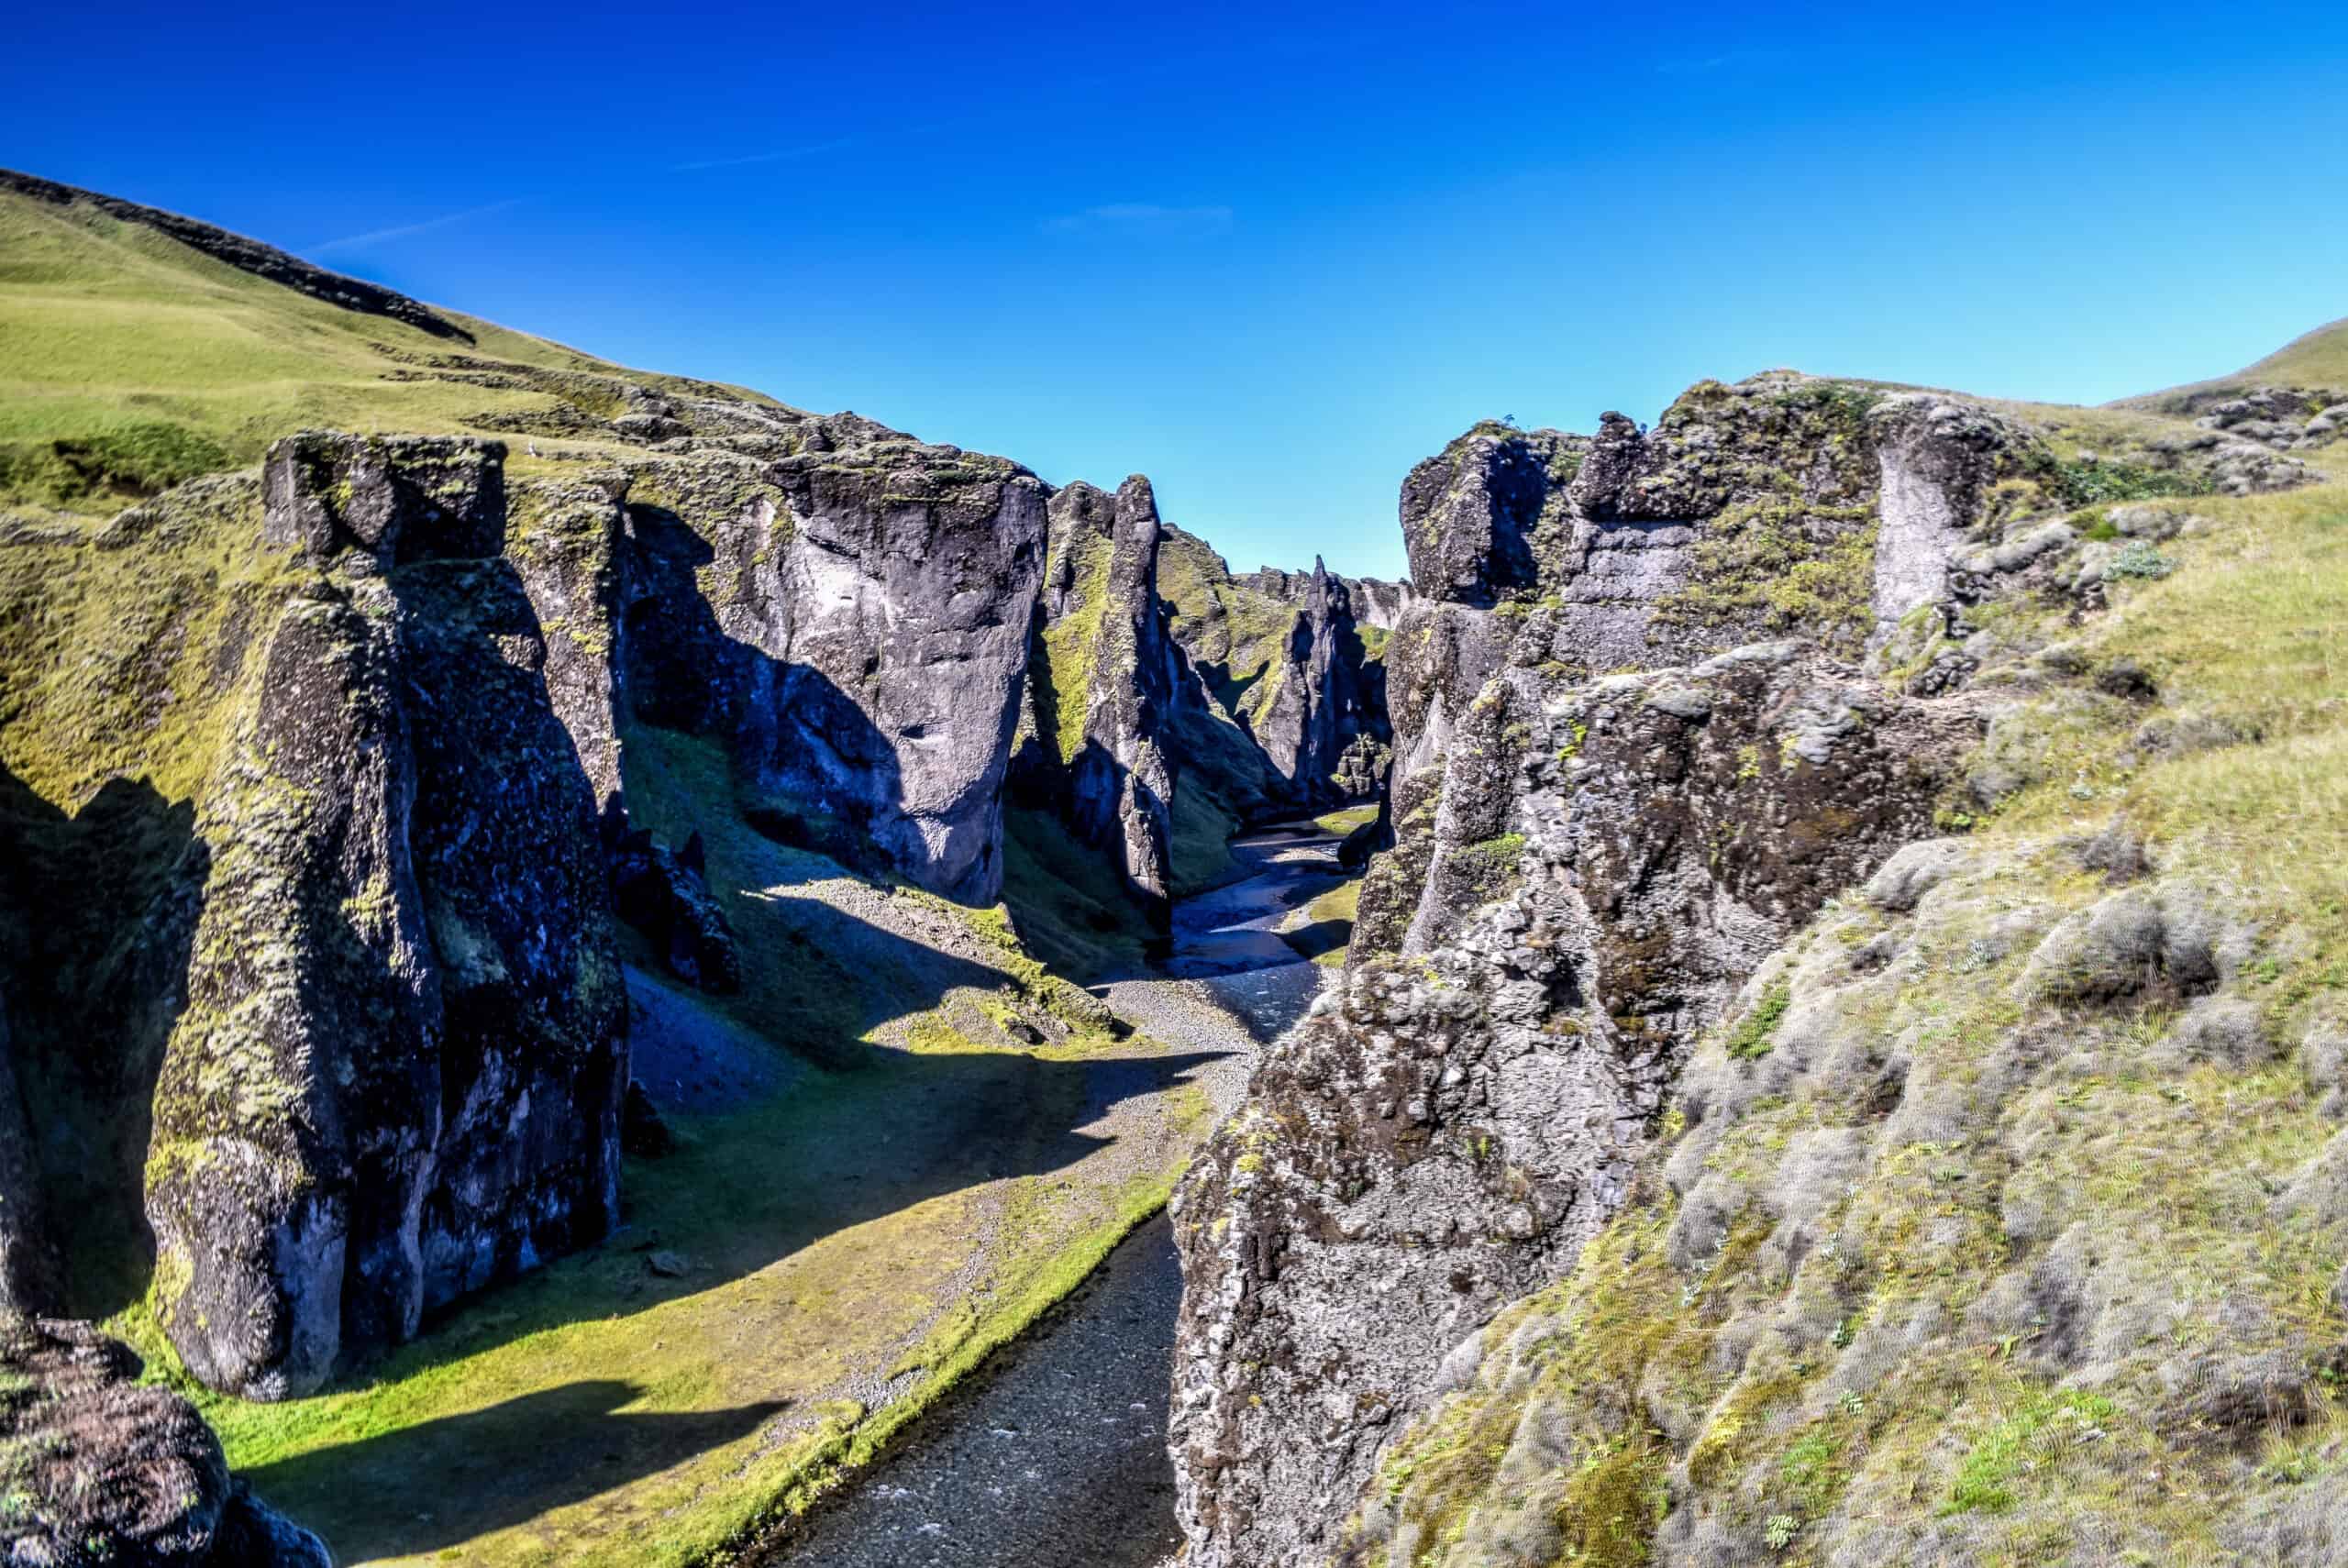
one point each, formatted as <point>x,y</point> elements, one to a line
<point>397,1075</point>
<point>907,590</point>
<point>1279,702</point>
<point>1106,652</point>
<point>1441,1136</point>
<point>1782,506</point>
<point>105,1471</point>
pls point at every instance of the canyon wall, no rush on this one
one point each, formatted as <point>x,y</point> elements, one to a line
<point>1637,745</point>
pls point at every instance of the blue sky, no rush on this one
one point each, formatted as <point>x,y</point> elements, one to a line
<point>1271,256</point>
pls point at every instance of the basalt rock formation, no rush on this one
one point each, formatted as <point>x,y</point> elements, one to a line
<point>1658,697</point>
<point>1100,688</point>
<point>1280,694</point>
<point>104,1470</point>
<point>397,1074</point>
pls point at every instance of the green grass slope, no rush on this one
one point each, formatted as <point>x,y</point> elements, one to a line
<point>2317,358</point>
<point>130,361</point>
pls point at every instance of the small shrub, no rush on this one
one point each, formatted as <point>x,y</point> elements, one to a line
<point>2140,560</point>
<point>2084,481</point>
<point>1781,1531</point>
<point>2096,524</point>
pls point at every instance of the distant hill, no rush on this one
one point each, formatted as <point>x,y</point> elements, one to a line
<point>2318,359</point>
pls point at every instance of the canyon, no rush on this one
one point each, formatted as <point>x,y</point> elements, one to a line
<point>585,956</point>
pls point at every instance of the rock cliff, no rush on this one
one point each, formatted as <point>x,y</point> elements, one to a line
<point>1659,697</point>
<point>1101,685</point>
<point>398,1071</point>
<point>1279,701</point>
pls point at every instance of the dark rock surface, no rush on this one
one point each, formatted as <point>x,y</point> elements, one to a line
<point>907,590</point>
<point>663,894</point>
<point>1103,687</point>
<point>104,1470</point>
<point>29,1268</point>
<point>397,1075</point>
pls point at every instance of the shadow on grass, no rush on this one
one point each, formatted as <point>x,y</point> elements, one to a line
<point>1321,937</point>
<point>744,1191</point>
<point>509,1462</point>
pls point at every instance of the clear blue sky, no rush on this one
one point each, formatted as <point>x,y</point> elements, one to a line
<point>1271,256</point>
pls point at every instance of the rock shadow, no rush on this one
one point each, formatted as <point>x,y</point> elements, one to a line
<point>812,769</point>
<point>517,1459</point>
<point>98,909</point>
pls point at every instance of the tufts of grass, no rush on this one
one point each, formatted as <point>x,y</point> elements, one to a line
<point>1757,1030</point>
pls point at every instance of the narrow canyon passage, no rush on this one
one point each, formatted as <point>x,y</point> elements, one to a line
<point>1055,1455</point>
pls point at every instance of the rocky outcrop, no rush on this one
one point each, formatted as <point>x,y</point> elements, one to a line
<point>1377,603</point>
<point>663,893</point>
<point>105,1470</point>
<point>906,590</point>
<point>397,1075</point>
<point>1782,506</point>
<point>1103,684</point>
<point>2281,418</point>
<point>1585,867</point>
<point>1279,658</point>
<point>1439,1138</point>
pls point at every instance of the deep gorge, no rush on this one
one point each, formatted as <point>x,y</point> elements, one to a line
<point>597,969</point>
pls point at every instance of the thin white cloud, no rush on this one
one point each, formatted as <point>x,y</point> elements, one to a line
<point>380,236</point>
<point>1144,220</point>
<point>782,155</point>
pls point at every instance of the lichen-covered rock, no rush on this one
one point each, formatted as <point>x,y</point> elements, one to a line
<point>1781,506</point>
<point>1609,861</point>
<point>105,1472</point>
<point>397,1075</point>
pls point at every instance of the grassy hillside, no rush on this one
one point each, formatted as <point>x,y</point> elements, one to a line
<point>2318,359</point>
<point>130,361</point>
